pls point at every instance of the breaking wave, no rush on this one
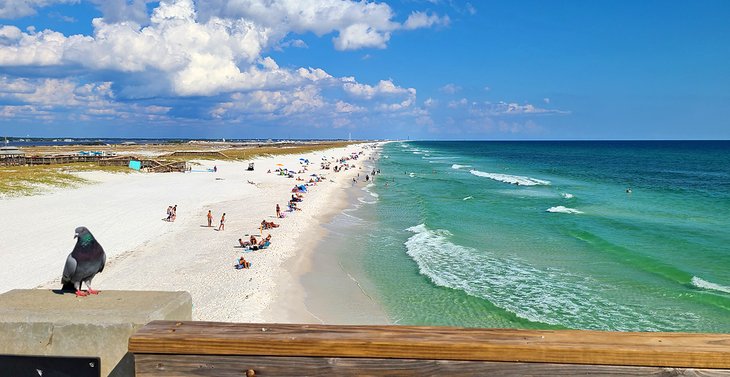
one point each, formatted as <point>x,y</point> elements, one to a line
<point>562,209</point>
<point>457,166</point>
<point>513,179</point>
<point>551,296</point>
<point>704,284</point>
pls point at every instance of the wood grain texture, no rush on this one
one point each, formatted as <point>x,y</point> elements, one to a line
<point>207,365</point>
<point>681,350</point>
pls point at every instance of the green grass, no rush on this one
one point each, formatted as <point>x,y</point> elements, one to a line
<point>29,180</point>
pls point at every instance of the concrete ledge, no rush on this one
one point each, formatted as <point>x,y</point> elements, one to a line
<point>45,322</point>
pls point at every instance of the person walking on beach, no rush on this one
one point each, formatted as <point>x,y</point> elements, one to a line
<point>278,211</point>
<point>173,213</point>
<point>210,219</point>
<point>223,222</point>
<point>169,213</point>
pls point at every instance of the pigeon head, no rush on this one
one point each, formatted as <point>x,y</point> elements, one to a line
<point>85,238</point>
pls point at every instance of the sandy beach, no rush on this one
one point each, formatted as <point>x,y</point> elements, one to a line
<point>126,214</point>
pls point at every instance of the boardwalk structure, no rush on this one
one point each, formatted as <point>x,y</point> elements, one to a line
<point>149,165</point>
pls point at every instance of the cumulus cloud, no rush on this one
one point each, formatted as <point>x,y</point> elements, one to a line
<point>419,20</point>
<point>189,57</point>
<point>123,10</point>
<point>44,48</point>
<point>344,107</point>
<point>358,24</point>
<point>212,52</point>
<point>22,8</point>
<point>65,99</point>
<point>296,43</point>
<point>277,104</point>
<point>186,57</point>
<point>359,36</point>
<point>63,92</point>
<point>384,87</point>
<point>25,112</point>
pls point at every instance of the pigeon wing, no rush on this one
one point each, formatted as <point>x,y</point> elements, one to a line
<point>103,261</point>
<point>69,269</point>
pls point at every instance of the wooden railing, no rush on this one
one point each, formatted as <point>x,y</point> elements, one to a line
<point>164,348</point>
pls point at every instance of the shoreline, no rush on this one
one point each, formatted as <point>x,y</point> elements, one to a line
<point>313,274</point>
<point>145,253</point>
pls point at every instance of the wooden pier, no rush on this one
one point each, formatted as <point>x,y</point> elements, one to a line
<point>169,348</point>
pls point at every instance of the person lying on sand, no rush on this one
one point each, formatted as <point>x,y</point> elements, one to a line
<point>268,224</point>
<point>251,241</point>
<point>264,241</point>
<point>242,263</point>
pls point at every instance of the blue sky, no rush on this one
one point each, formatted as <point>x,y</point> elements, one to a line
<point>423,69</point>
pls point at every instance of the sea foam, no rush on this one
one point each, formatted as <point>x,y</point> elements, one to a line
<point>367,189</point>
<point>704,284</point>
<point>567,195</point>
<point>457,166</point>
<point>562,209</point>
<point>552,296</point>
<point>513,179</point>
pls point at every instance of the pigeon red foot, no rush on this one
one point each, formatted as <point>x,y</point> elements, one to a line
<point>93,292</point>
<point>81,293</point>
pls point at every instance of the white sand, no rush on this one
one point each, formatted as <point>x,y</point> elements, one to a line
<point>125,213</point>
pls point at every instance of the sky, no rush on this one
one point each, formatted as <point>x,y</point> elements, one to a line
<point>334,69</point>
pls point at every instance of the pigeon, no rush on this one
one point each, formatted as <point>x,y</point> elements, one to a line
<point>85,261</point>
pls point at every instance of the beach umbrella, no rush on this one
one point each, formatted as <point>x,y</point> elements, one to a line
<point>279,164</point>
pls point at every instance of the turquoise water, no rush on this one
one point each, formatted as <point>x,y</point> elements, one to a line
<point>545,235</point>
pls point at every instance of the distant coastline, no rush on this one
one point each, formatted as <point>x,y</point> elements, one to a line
<point>67,141</point>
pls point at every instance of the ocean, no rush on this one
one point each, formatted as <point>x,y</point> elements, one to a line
<point>606,235</point>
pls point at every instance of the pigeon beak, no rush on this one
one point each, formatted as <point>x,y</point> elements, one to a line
<point>76,235</point>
